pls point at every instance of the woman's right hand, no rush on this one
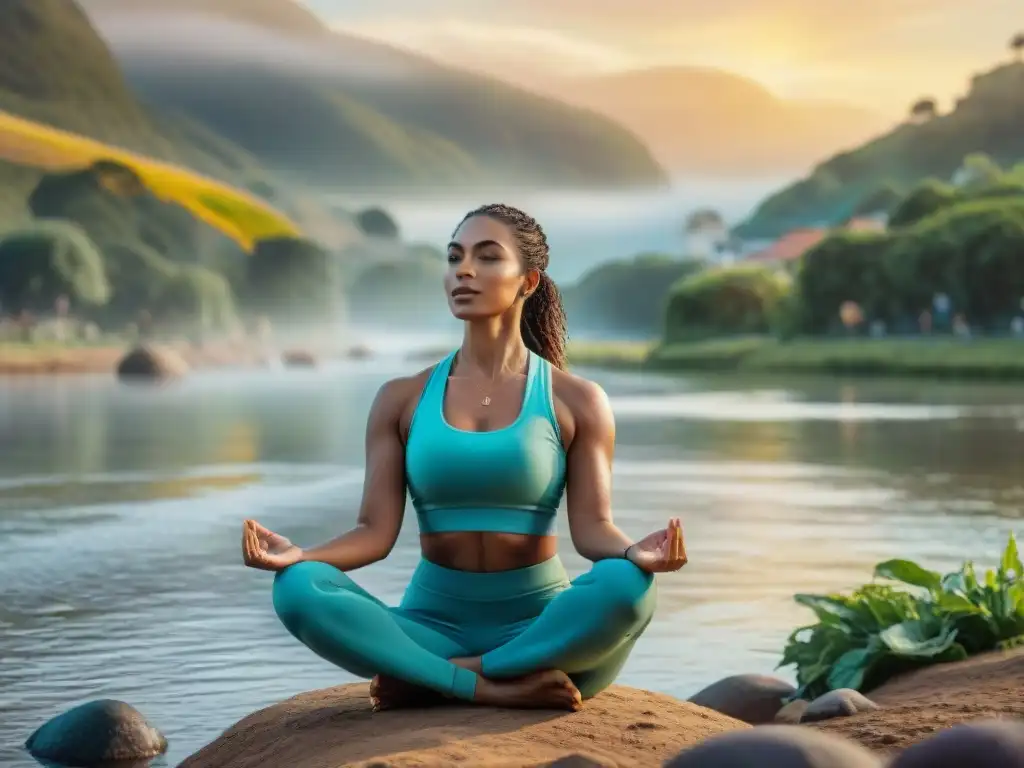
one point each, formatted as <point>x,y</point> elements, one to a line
<point>266,550</point>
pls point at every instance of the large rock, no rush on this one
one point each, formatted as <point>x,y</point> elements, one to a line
<point>992,744</point>
<point>621,727</point>
<point>150,363</point>
<point>754,699</point>
<point>97,732</point>
<point>776,746</point>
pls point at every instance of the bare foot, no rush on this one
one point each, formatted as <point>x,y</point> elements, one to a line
<point>391,693</point>
<point>550,689</point>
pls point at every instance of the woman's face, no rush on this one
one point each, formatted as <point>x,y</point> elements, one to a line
<point>485,274</point>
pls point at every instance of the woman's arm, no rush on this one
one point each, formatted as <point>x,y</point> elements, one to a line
<point>383,503</point>
<point>589,489</point>
<point>589,472</point>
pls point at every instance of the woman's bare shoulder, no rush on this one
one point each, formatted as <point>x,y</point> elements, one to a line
<point>580,404</point>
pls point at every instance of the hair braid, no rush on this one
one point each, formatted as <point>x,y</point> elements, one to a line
<point>543,324</point>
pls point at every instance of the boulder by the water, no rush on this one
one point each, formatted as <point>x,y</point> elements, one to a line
<point>776,746</point>
<point>842,702</point>
<point>754,699</point>
<point>991,743</point>
<point>623,727</point>
<point>150,363</point>
<point>97,732</point>
<point>298,358</point>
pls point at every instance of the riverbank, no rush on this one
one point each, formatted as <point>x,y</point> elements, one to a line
<point>18,359</point>
<point>938,357</point>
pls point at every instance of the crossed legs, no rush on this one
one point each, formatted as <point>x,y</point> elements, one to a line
<point>585,632</point>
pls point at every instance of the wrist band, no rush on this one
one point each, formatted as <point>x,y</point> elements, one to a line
<point>625,552</point>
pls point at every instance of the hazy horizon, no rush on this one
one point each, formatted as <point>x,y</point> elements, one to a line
<point>875,55</point>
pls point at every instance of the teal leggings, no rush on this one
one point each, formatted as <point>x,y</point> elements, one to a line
<point>518,622</point>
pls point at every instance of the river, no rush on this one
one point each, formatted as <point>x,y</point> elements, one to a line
<point>120,512</point>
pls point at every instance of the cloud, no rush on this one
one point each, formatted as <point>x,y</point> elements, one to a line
<point>505,48</point>
<point>876,50</point>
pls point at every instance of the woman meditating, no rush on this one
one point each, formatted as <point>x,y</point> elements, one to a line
<point>486,442</point>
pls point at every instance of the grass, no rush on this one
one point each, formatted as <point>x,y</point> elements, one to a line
<point>939,357</point>
<point>239,215</point>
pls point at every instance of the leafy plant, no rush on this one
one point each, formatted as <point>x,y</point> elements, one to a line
<point>863,639</point>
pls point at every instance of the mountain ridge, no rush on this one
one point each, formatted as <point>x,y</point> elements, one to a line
<point>425,123</point>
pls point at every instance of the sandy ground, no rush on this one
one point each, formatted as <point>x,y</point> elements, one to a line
<point>924,702</point>
<point>622,727</point>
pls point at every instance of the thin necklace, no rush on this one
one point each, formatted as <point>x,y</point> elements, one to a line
<point>487,398</point>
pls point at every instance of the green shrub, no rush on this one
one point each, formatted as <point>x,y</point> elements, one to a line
<point>726,301</point>
<point>198,298</point>
<point>628,296</point>
<point>928,197</point>
<point>293,280</point>
<point>47,260</point>
<point>861,640</point>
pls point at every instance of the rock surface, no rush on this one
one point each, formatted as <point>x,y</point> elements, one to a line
<point>776,746</point>
<point>914,706</point>
<point>842,702</point>
<point>96,732</point>
<point>754,699</point>
<point>622,727</point>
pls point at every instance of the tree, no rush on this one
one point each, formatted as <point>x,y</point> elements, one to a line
<point>49,260</point>
<point>377,222</point>
<point>1017,45</point>
<point>924,109</point>
<point>293,280</point>
<point>733,300</point>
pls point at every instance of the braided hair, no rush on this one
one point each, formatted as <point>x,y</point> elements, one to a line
<point>543,323</point>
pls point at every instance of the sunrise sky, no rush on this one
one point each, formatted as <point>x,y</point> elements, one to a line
<point>878,53</point>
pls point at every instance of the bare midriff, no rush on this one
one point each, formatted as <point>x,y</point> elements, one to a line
<point>487,552</point>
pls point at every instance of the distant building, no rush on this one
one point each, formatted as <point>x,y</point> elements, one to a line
<point>790,247</point>
<point>795,243</point>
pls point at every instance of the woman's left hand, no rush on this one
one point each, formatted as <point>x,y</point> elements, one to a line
<point>661,551</point>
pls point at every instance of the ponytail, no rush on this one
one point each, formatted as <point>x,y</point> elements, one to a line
<point>543,325</point>
<point>543,322</point>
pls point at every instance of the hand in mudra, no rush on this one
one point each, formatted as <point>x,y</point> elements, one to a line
<point>661,551</point>
<point>266,550</point>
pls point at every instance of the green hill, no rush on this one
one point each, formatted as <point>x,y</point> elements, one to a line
<point>989,120</point>
<point>341,111</point>
<point>56,69</point>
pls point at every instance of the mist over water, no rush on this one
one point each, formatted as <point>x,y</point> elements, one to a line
<point>586,227</point>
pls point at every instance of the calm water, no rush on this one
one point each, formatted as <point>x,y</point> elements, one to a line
<point>120,512</point>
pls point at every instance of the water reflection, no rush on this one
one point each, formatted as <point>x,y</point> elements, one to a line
<point>120,510</point>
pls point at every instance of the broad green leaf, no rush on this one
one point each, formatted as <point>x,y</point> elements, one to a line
<point>909,572</point>
<point>829,609</point>
<point>1011,559</point>
<point>952,603</point>
<point>917,639</point>
<point>850,668</point>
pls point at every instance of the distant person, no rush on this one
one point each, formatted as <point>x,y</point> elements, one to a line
<point>486,441</point>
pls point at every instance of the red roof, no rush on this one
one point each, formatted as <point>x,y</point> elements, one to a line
<point>791,245</point>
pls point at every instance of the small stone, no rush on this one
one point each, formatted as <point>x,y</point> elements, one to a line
<point>754,699</point>
<point>776,746</point>
<point>98,731</point>
<point>842,702</point>
<point>792,712</point>
<point>988,743</point>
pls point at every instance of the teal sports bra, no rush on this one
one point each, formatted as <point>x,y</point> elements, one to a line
<point>507,480</point>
